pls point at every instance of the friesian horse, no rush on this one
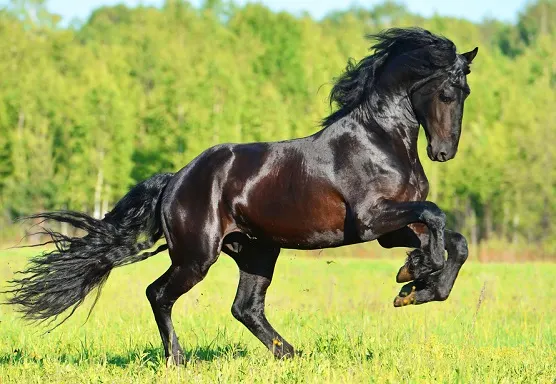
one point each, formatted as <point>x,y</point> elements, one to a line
<point>358,179</point>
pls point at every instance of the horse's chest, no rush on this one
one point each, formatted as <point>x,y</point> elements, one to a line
<point>418,186</point>
<point>406,186</point>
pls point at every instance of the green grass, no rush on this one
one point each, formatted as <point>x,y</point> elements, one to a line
<point>497,326</point>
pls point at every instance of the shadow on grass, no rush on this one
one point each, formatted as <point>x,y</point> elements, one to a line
<point>149,356</point>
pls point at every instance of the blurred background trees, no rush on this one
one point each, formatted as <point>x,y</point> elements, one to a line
<point>88,110</point>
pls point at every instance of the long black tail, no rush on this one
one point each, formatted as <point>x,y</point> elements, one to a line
<point>59,280</point>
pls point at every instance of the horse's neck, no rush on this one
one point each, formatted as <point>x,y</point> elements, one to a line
<point>392,116</point>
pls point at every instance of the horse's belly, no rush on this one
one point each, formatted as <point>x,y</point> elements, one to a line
<point>310,240</point>
<point>311,219</point>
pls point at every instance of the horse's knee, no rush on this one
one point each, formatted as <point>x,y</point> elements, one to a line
<point>424,262</point>
<point>433,216</point>
<point>457,245</point>
<point>442,291</point>
<point>442,294</point>
<point>437,263</point>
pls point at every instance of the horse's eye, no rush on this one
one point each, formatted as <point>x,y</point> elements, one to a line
<point>445,98</point>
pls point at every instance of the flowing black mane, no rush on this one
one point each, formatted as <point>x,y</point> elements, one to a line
<point>429,53</point>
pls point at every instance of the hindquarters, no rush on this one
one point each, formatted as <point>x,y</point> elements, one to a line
<point>193,218</point>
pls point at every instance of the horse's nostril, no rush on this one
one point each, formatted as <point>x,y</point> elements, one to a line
<point>443,156</point>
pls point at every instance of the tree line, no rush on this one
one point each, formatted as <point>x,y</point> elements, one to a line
<point>91,108</point>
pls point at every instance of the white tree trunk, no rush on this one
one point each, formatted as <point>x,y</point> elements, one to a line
<point>98,189</point>
<point>105,202</point>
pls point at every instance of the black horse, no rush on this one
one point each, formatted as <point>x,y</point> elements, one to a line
<point>358,179</point>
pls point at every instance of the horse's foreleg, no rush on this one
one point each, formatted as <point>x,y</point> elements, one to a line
<point>413,236</point>
<point>256,267</point>
<point>437,286</point>
<point>388,221</point>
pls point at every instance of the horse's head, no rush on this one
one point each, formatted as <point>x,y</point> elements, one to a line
<point>438,104</point>
<point>413,77</point>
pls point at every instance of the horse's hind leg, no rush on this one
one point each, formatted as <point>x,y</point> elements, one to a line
<point>256,266</point>
<point>186,271</point>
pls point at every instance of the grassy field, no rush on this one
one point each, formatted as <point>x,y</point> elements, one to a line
<point>499,325</point>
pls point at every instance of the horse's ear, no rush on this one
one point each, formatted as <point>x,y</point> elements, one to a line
<point>469,56</point>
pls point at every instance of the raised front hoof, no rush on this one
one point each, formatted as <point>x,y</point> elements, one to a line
<point>405,297</point>
<point>404,275</point>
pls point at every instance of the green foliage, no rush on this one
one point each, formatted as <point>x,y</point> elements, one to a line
<point>86,112</point>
